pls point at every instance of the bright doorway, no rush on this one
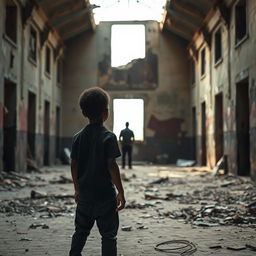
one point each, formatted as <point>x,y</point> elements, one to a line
<point>132,111</point>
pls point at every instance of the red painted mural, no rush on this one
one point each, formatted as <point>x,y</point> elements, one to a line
<point>165,128</point>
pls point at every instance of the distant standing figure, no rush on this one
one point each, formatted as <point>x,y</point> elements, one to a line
<point>127,138</point>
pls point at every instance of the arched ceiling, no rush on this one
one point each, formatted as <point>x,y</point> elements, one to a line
<point>185,17</point>
<point>72,17</point>
<point>69,18</point>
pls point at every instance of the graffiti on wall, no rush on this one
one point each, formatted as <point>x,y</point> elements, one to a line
<point>139,74</point>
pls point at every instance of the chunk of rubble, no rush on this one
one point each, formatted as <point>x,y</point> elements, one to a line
<point>160,181</point>
<point>37,225</point>
<point>62,180</point>
<point>185,163</point>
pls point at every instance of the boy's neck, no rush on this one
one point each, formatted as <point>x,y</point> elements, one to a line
<point>96,121</point>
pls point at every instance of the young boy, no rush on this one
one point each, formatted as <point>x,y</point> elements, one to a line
<point>95,172</point>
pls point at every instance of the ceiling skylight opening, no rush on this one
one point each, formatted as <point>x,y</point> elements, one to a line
<point>128,10</point>
<point>127,43</point>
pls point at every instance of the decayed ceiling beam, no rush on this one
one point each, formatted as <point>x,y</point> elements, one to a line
<point>179,33</point>
<point>75,32</point>
<point>178,26</point>
<point>205,4</point>
<point>49,4</point>
<point>193,12</point>
<point>62,21</point>
<point>73,26</point>
<point>64,6</point>
<point>182,17</point>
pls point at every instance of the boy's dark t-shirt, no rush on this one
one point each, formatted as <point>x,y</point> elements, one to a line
<point>91,149</point>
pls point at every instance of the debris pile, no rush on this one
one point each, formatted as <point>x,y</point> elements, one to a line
<point>213,215</point>
<point>61,180</point>
<point>12,181</point>
<point>233,206</point>
<point>134,205</point>
<point>46,205</point>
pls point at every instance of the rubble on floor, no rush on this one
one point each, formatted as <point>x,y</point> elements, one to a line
<point>221,200</point>
<point>12,180</point>
<point>185,163</point>
<point>229,200</point>
<point>61,180</point>
<point>47,206</point>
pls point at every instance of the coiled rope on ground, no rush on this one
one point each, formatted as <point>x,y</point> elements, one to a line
<point>178,247</point>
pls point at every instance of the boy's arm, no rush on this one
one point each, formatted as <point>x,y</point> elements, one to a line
<point>115,175</point>
<point>74,177</point>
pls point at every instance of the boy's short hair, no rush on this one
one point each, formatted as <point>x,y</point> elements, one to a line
<point>93,102</point>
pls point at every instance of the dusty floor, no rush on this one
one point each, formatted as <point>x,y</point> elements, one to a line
<point>222,216</point>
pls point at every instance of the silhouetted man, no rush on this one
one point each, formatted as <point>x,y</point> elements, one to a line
<point>127,138</point>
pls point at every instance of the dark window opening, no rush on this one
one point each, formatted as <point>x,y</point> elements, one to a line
<point>203,62</point>
<point>240,16</point>
<point>48,60</point>
<point>193,71</point>
<point>12,57</point>
<point>32,44</point>
<point>46,133</point>
<point>31,119</point>
<point>243,128</point>
<point>194,132</point>
<point>11,21</point>
<point>218,49</point>
<point>219,134</point>
<point>203,132</point>
<point>58,124</point>
<point>9,126</point>
<point>59,71</point>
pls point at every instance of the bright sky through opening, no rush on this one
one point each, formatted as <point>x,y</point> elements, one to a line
<point>132,111</point>
<point>128,10</point>
<point>127,44</point>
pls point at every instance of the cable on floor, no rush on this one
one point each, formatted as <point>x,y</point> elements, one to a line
<point>178,247</point>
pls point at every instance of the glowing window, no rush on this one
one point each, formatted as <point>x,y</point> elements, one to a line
<point>127,43</point>
<point>132,111</point>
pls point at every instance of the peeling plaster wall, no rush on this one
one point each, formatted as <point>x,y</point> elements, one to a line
<point>1,81</point>
<point>238,63</point>
<point>28,76</point>
<point>167,119</point>
<point>80,72</point>
<point>12,73</point>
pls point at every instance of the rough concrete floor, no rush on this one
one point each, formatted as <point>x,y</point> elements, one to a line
<point>149,226</point>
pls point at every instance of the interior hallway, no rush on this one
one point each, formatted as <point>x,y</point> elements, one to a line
<point>195,76</point>
<point>44,226</point>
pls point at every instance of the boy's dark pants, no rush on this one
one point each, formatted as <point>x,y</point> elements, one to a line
<point>127,149</point>
<point>106,217</point>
